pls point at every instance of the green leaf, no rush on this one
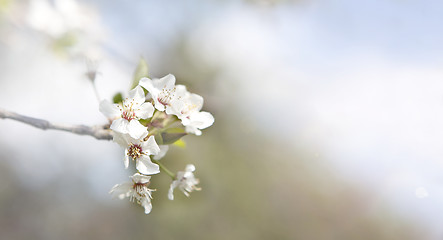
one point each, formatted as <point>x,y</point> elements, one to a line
<point>180,143</point>
<point>174,130</point>
<point>158,139</point>
<point>172,135</point>
<point>144,122</point>
<point>141,71</point>
<point>118,98</point>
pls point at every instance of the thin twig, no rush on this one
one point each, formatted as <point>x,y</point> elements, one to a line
<point>98,132</point>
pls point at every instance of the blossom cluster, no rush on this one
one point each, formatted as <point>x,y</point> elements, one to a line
<point>145,124</point>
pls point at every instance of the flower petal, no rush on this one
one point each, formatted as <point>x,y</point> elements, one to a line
<point>146,110</point>
<point>163,150</point>
<point>120,139</point>
<point>145,166</point>
<point>126,160</point>
<point>146,203</point>
<point>190,168</point>
<point>121,190</point>
<point>136,129</point>
<point>166,82</point>
<point>139,178</point>
<point>150,146</point>
<point>109,110</point>
<point>158,105</point>
<point>120,125</point>
<point>148,84</point>
<point>193,130</point>
<point>174,184</point>
<point>137,95</point>
<point>202,120</point>
<point>171,191</point>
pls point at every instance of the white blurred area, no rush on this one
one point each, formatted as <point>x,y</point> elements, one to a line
<point>45,80</point>
<point>307,74</point>
<point>375,114</point>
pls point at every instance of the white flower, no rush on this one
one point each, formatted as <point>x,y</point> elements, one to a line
<point>163,150</point>
<point>187,108</point>
<point>197,121</point>
<point>163,92</point>
<point>187,103</point>
<point>139,151</point>
<point>185,181</point>
<point>125,118</point>
<point>137,190</point>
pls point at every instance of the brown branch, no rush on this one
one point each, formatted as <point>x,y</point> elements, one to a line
<point>99,132</point>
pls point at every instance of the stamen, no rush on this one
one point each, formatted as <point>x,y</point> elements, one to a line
<point>165,96</point>
<point>135,151</point>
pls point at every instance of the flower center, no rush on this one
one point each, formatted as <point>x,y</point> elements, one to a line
<point>127,110</point>
<point>189,108</point>
<point>128,115</point>
<point>141,191</point>
<point>135,151</point>
<point>165,96</point>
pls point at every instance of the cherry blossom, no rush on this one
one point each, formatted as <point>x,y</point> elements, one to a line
<point>125,117</point>
<point>137,190</point>
<point>185,181</point>
<point>139,151</point>
<point>163,91</point>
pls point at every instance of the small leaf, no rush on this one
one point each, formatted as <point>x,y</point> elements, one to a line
<point>144,122</point>
<point>140,72</point>
<point>180,143</point>
<point>158,139</point>
<point>118,98</point>
<point>172,135</point>
<point>169,138</point>
<point>174,130</point>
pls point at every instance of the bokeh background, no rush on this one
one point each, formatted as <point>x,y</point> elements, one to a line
<point>329,118</point>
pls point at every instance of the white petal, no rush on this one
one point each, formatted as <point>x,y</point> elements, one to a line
<point>121,190</point>
<point>120,139</point>
<point>150,147</point>
<point>190,168</point>
<point>120,125</point>
<point>171,193</point>
<point>163,150</point>
<point>109,110</point>
<point>171,189</point>
<point>176,108</point>
<point>148,85</point>
<point>136,129</point>
<point>202,120</point>
<point>181,90</point>
<point>171,111</point>
<point>145,166</point>
<point>137,95</point>
<point>196,101</point>
<point>126,160</point>
<point>193,130</point>
<point>146,203</point>
<point>179,101</point>
<point>146,110</point>
<point>139,178</point>
<point>158,105</point>
<point>167,82</point>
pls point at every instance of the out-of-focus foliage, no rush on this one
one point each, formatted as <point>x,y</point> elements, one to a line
<point>141,71</point>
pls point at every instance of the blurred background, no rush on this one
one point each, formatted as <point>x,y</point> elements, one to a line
<point>329,118</point>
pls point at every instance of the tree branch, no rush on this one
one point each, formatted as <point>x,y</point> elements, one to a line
<point>99,132</point>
